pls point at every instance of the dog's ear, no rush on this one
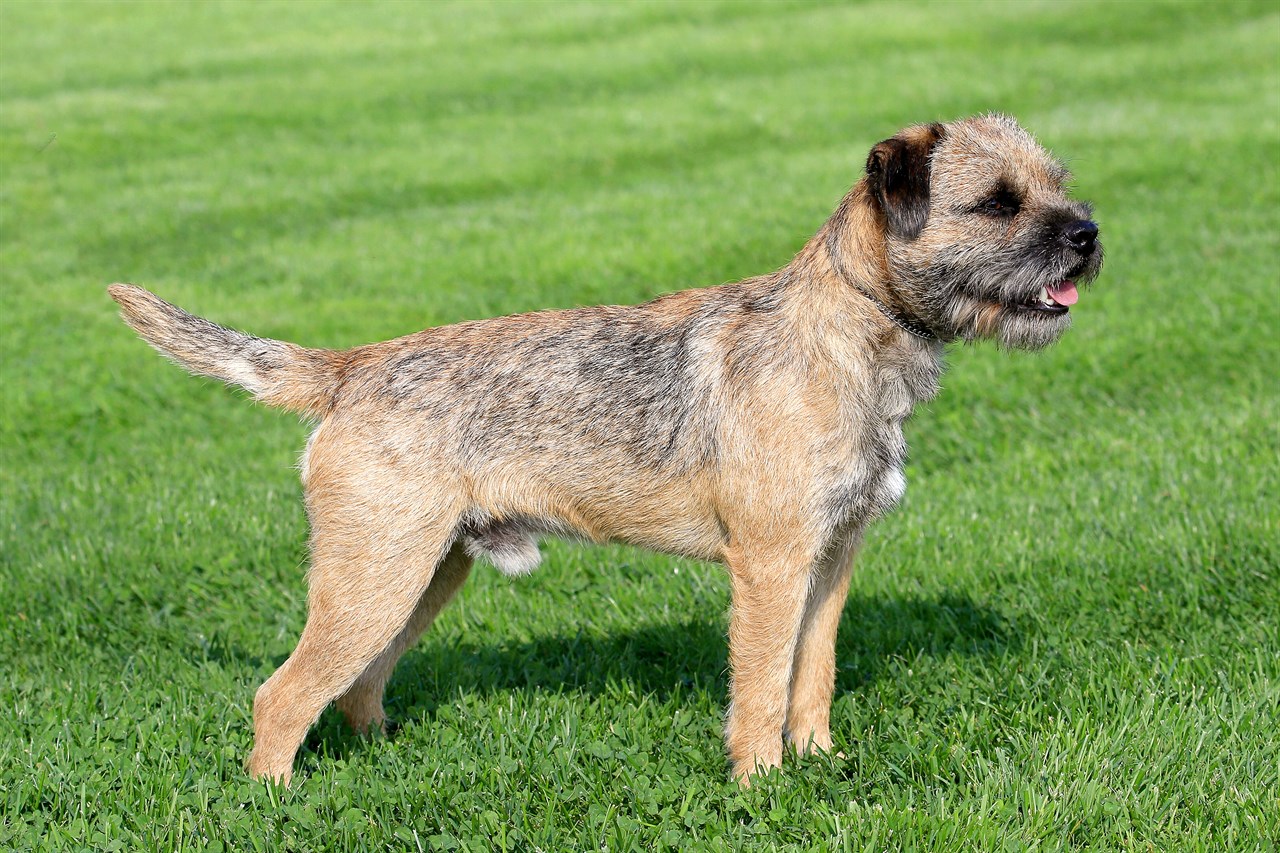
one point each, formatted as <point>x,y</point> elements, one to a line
<point>898,177</point>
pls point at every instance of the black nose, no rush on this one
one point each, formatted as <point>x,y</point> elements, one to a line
<point>1080,235</point>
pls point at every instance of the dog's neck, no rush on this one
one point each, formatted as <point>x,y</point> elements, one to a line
<point>839,308</point>
<point>906,323</point>
<point>851,244</point>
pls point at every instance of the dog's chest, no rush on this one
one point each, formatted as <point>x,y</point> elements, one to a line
<point>872,481</point>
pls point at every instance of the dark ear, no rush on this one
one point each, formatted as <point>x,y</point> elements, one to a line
<point>898,177</point>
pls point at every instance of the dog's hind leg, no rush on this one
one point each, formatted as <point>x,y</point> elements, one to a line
<point>367,578</point>
<point>361,705</point>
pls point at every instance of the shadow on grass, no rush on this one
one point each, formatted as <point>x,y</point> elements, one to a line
<point>661,659</point>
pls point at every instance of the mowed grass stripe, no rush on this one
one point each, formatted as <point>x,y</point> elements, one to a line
<point>347,125</point>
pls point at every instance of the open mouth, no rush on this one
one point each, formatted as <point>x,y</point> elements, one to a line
<point>1055,299</point>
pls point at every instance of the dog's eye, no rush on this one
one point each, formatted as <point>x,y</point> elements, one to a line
<point>1000,205</point>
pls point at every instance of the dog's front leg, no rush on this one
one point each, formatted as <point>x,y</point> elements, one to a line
<point>813,676</point>
<point>770,591</point>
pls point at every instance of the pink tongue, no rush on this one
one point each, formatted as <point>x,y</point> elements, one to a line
<point>1064,294</point>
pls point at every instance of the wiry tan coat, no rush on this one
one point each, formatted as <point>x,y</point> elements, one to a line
<point>756,424</point>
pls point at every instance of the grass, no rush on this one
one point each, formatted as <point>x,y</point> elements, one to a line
<point>1067,636</point>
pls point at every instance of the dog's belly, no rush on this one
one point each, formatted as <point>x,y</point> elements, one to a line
<point>512,544</point>
<point>672,516</point>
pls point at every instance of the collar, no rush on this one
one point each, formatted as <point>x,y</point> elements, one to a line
<point>907,324</point>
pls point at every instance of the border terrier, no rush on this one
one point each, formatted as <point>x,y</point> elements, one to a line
<point>756,424</point>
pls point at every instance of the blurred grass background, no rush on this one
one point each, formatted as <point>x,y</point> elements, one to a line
<point>1066,637</point>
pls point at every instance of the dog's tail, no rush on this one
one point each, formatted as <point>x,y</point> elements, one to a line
<point>275,372</point>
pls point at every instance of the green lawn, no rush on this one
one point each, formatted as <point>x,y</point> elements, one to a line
<point>1068,636</point>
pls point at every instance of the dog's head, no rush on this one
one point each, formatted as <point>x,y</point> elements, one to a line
<point>980,237</point>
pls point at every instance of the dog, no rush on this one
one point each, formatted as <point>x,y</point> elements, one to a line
<point>756,424</point>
